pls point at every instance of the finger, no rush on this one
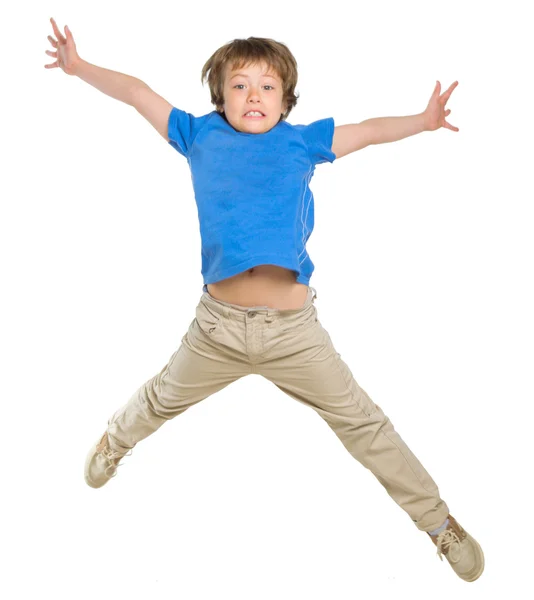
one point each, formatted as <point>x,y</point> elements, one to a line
<point>451,127</point>
<point>60,38</point>
<point>448,93</point>
<point>51,66</point>
<point>52,41</point>
<point>50,53</point>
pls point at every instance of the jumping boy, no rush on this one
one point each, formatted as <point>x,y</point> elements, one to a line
<point>251,171</point>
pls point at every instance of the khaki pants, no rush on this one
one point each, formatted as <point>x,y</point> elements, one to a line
<point>290,348</point>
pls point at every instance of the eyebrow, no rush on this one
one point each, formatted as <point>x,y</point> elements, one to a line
<point>245,75</point>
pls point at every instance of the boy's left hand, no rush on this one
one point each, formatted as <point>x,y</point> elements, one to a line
<point>435,113</point>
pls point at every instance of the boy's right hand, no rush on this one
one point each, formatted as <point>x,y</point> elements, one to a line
<point>67,57</point>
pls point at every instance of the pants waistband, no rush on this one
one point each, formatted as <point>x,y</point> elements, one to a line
<point>229,310</point>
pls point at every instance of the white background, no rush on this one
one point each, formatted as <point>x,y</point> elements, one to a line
<point>423,267</point>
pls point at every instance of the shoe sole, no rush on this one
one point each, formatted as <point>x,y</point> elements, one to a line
<point>479,567</point>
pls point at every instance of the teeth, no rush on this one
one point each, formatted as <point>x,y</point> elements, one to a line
<point>253,114</point>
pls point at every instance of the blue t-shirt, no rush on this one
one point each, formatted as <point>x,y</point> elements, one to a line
<point>252,190</point>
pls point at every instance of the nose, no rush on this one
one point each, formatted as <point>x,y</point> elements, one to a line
<point>254,94</point>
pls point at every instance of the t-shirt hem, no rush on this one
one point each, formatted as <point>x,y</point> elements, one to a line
<point>253,261</point>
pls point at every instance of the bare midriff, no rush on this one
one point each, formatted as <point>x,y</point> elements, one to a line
<point>263,285</point>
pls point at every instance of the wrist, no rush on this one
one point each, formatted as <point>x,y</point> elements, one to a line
<point>424,122</point>
<point>77,67</point>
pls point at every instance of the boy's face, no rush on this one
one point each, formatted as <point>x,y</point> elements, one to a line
<point>253,88</point>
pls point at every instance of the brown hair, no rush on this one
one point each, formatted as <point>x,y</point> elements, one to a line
<point>240,52</point>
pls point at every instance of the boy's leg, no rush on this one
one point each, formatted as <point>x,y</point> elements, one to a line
<point>199,368</point>
<point>301,360</point>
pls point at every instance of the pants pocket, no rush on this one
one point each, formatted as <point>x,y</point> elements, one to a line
<point>308,321</point>
<point>208,321</point>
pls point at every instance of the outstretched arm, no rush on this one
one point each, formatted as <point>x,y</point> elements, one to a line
<point>349,138</point>
<point>120,86</point>
<point>117,85</point>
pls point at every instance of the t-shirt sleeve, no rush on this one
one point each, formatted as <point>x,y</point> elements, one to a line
<point>182,129</point>
<point>319,137</point>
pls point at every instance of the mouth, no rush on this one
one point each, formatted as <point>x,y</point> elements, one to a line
<point>254,116</point>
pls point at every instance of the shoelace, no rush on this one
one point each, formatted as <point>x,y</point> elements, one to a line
<point>110,455</point>
<point>445,542</point>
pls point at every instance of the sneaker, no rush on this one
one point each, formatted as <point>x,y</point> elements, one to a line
<point>461,550</point>
<point>101,463</point>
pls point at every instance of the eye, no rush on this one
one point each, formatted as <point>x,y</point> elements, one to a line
<point>241,84</point>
